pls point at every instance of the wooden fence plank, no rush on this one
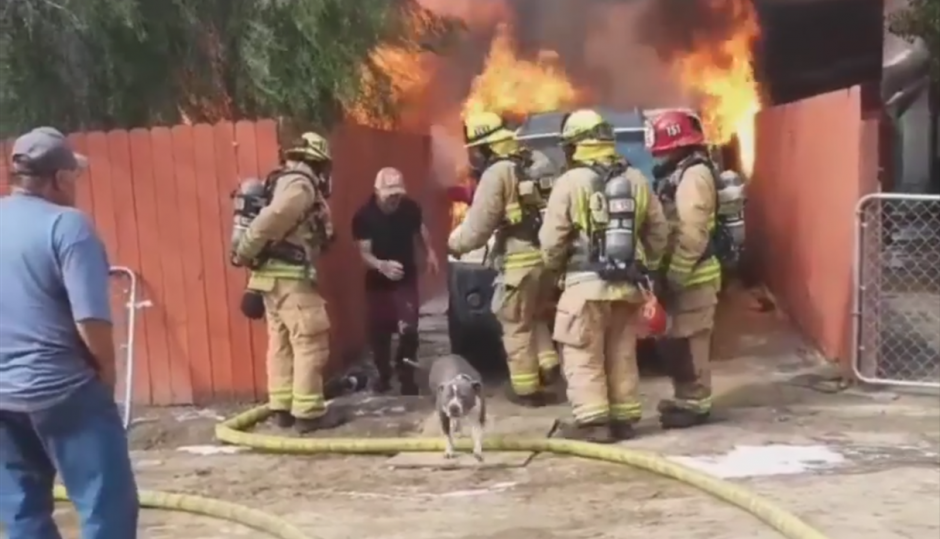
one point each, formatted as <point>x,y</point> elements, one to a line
<point>214,260</point>
<point>83,195</point>
<point>127,251</point>
<point>235,278</point>
<point>246,151</point>
<point>5,147</point>
<point>148,236</point>
<point>99,178</point>
<point>170,245</point>
<point>200,358</point>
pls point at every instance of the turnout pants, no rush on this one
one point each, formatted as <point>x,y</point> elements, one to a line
<point>598,341</point>
<point>522,303</point>
<point>298,347</point>
<point>686,349</point>
<point>83,440</point>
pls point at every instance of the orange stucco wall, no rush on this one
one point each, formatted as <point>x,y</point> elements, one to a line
<point>815,158</point>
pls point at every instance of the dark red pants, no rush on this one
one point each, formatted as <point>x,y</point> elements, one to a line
<point>393,310</point>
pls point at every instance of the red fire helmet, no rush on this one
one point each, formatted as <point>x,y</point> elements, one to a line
<point>673,129</point>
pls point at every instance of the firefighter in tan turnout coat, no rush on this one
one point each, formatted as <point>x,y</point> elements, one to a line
<point>605,231</point>
<point>690,277</point>
<point>508,203</point>
<point>280,246</point>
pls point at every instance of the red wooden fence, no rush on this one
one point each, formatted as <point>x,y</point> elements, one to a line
<point>160,200</point>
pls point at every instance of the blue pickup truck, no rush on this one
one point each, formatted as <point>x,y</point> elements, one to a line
<point>472,327</point>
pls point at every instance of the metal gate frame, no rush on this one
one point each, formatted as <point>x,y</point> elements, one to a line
<point>859,287</point>
<point>132,305</point>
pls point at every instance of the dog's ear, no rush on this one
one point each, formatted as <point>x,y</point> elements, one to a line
<point>440,389</point>
<point>477,386</point>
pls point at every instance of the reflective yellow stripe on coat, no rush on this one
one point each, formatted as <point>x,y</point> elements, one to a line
<point>522,259</point>
<point>693,272</point>
<point>282,270</point>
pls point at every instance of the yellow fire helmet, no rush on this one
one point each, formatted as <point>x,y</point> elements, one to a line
<point>485,128</point>
<point>309,147</point>
<point>586,126</point>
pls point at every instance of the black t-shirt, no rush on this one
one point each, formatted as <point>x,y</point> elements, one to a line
<point>392,236</point>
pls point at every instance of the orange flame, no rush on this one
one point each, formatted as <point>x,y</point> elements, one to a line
<point>722,73</point>
<point>408,73</point>
<point>517,87</point>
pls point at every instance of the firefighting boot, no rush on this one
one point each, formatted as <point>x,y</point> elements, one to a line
<point>531,400</point>
<point>673,415</point>
<point>283,419</point>
<point>326,421</point>
<point>550,376</point>
<point>595,432</point>
<point>622,431</point>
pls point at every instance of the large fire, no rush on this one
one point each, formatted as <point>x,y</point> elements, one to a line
<point>717,71</point>
<point>515,87</point>
<point>408,72</point>
<point>722,74</point>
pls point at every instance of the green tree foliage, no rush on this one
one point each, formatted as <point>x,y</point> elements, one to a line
<point>920,19</point>
<point>101,64</point>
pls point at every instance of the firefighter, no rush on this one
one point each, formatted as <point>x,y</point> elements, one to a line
<point>507,202</point>
<point>605,231</point>
<point>690,276</point>
<point>280,246</point>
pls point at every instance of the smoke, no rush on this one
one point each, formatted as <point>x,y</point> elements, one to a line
<point>598,42</point>
<point>678,27</point>
<point>620,51</point>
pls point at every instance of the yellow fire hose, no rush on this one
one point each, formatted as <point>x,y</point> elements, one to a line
<point>232,431</point>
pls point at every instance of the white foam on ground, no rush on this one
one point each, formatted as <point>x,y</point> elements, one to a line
<point>755,461</point>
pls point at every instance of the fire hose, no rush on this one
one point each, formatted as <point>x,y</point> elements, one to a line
<point>233,431</point>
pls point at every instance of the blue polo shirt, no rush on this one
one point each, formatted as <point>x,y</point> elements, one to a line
<point>53,273</point>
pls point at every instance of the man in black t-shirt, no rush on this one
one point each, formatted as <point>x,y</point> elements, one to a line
<point>390,229</point>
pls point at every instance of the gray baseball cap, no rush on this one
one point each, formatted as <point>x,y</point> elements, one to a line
<point>43,151</point>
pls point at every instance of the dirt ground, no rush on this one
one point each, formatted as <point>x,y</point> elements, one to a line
<point>870,467</point>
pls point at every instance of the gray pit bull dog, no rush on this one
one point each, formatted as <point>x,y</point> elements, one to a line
<point>458,393</point>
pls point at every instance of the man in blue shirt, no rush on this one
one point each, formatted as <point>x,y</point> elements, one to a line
<point>57,358</point>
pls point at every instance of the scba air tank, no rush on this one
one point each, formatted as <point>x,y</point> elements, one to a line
<point>620,234</point>
<point>730,215</point>
<point>247,201</point>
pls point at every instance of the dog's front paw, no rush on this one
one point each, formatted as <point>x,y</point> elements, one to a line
<point>450,455</point>
<point>478,456</point>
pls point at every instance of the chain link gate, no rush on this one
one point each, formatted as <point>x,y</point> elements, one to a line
<point>896,314</point>
<point>124,305</point>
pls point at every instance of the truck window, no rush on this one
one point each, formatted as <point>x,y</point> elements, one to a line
<point>631,144</point>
